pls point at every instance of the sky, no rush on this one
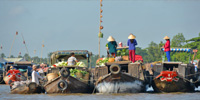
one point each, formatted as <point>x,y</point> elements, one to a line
<point>74,24</point>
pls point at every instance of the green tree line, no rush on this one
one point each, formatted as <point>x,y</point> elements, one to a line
<point>150,54</point>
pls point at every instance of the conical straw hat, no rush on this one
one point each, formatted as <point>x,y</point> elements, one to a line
<point>131,36</point>
<point>110,38</point>
<point>166,37</point>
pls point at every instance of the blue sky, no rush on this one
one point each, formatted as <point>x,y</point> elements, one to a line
<point>74,24</point>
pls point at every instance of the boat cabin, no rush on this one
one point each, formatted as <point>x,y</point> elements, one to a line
<point>183,69</point>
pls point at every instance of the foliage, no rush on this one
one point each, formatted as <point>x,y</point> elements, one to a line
<point>153,53</point>
<point>3,55</point>
<point>178,40</point>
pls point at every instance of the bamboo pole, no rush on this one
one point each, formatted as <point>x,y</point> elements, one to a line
<point>100,25</point>
<point>42,51</point>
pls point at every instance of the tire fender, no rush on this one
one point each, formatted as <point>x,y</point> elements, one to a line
<point>115,68</point>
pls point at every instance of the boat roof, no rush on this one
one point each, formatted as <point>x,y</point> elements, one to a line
<point>65,54</point>
<point>189,50</point>
<point>68,52</point>
<point>23,63</point>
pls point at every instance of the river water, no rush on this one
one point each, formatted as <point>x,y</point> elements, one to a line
<point>5,95</point>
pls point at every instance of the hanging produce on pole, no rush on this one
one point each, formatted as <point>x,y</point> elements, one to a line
<point>100,35</point>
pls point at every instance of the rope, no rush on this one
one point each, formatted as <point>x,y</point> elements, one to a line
<point>12,46</point>
<point>190,81</point>
<point>25,43</point>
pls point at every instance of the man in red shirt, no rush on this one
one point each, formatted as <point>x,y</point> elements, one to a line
<point>167,47</point>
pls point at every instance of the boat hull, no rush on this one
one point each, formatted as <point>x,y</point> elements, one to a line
<point>180,86</point>
<point>170,81</point>
<point>73,86</point>
<point>120,83</point>
<point>27,90</point>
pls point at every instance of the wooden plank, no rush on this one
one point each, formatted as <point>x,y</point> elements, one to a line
<point>118,62</point>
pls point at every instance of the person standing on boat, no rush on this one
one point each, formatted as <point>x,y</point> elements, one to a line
<point>12,68</point>
<point>112,46</point>
<point>72,60</point>
<point>132,43</point>
<point>167,47</point>
<point>35,76</point>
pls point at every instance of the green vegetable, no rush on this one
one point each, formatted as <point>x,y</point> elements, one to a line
<point>81,64</point>
<point>74,71</point>
<point>102,62</point>
<point>123,52</point>
<point>107,45</point>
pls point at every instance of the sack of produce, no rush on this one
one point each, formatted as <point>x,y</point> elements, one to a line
<point>111,60</point>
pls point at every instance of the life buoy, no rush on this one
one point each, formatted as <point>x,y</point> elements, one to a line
<point>62,85</point>
<point>64,72</point>
<point>115,68</point>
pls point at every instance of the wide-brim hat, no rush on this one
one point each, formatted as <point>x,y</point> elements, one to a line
<point>11,67</point>
<point>110,38</point>
<point>131,36</point>
<point>166,37</point>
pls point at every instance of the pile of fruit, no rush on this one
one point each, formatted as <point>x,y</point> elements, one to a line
<point>102,61</point>
<point>123,52</point>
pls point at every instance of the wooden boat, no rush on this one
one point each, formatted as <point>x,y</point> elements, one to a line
<point>174,76</point>
<point>170,81</point>
<point>177,79</point>
<point>30,88</point>
<point>12,76</point>
<point>65,83</point>
<point>120,77</point>
<point>19,73</point>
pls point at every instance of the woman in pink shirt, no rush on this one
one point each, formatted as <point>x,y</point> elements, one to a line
<point>167,47</point>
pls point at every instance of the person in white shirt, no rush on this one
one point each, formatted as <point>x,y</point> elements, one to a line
<point>72,60</point>
<point>35,76</point>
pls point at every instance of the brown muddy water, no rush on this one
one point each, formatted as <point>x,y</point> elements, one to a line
<point>5,95</point>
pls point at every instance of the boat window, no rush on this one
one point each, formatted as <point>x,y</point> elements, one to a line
<point>170,67</point>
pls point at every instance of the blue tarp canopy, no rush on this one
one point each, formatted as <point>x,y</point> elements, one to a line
<point>189,50</point>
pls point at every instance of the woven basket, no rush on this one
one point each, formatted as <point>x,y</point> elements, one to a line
<point>86,77</point>
<point>79,75</point>
<point>51,76</point>
<point>125,58</point>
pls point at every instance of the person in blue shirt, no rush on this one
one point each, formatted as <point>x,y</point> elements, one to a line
<point>112,45</point>
<point>132,43</point>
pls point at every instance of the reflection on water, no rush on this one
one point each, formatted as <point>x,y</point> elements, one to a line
<point>5,95</point>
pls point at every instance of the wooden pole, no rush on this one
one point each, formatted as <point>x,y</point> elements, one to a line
<point>100,25</point>
<point>42,51</point>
